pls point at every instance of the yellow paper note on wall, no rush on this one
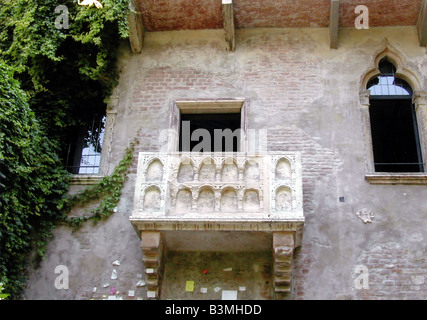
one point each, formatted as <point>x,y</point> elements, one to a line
<point>189,286</point>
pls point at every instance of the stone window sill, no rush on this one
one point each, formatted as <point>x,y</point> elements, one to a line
<point>84,179</point>
<point>397,178</point>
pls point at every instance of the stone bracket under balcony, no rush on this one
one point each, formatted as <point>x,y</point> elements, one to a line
<point>221,202</point>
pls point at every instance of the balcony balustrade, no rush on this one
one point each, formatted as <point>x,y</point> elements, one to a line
<point>183,190</point>
<point>192,201</point>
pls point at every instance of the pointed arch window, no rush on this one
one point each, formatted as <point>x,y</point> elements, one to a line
<point>394,129</point>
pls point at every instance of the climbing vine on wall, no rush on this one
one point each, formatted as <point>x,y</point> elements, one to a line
<point>109,190</point>
<point>69,72</point>
<point>32,183</point>
<point>53,80</point>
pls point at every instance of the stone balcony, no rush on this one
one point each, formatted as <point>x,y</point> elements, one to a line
<point>219,202</point>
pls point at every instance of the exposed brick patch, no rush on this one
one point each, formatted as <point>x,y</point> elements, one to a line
<point>317,162</point>
<point>281,14</point>
<point>395,272</point>
<point>303,260</point>
<point>162,15</point>
<point>381,12</point>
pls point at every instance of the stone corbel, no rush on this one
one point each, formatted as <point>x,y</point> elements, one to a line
<point>152,250</point>
<point>283,251</point>
<point>364,97</point>
<point>419,98</point>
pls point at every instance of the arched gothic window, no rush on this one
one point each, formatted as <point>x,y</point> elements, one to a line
<point>395,137</point>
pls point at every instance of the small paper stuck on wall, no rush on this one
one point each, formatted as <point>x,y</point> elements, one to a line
<point>229,295</point>
<point>114,274</point>
<point>189,286</point>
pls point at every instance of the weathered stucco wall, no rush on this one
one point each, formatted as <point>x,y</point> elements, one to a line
<point>307,97</point>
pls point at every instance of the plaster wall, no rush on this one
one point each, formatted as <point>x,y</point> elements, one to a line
<point>307,97</point>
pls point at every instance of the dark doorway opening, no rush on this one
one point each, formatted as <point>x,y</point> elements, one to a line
<point>210,132</point>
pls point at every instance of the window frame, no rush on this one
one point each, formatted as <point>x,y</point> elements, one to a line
<point>77,156</point>
<point>419,100</point>
<point>205,106</point>
<point>105,165</point>
<point>385,87</point>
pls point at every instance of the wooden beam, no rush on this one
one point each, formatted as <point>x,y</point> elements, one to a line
<point>422,24</point>
<point>136,28</point>
<point>228,17</point>
<point>333,23</point>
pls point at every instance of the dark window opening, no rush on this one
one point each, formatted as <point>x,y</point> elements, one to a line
<point>394,136</point>
<point>213,132</point>
<point>394,127</point>
<point>84,152</point>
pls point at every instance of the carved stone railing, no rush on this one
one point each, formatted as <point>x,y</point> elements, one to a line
<point>219,192</point>
<point>182,189</point>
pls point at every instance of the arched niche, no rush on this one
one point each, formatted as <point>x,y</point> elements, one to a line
<point>229,172</point>
<point>206,200</point>
<point>186,171</point>
<point>152,198</point>
<point>283,169</point>
<point>207,170</point>
<point>184,200</point>
<point>252,172</point>
<point>251,201</point>
<point>154,171</point>
<point>283,199</point>
<point>229,200</point>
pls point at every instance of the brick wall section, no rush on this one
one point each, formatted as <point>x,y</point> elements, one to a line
<point>303,262</point>
<point>395,272</point>
<point>381,12</point>
<point>161,15</point>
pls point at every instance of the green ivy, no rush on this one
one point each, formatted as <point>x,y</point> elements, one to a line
<point>32,182</point>
<point>56,80</point>
<point>3,295</point>
<point>109,189</point>
<point>67,73</point>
